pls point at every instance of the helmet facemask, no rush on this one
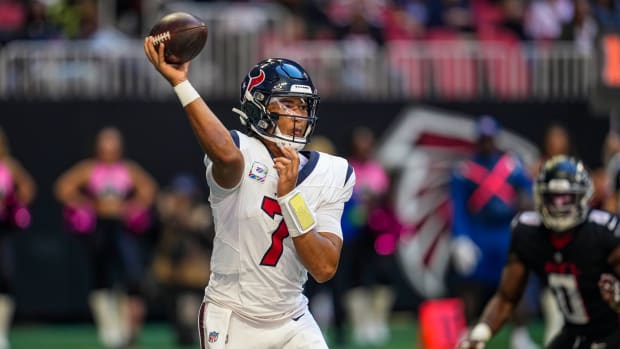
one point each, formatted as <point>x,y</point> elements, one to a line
<point>562,204</point>
<point>300,108</point>
<point>561,211</point>
<point>301,123</point>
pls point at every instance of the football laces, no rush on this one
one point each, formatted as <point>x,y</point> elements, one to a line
<point>161,37</point>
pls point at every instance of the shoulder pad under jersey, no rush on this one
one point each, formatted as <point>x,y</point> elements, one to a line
<point>602,218</point>
<point>529,218</point>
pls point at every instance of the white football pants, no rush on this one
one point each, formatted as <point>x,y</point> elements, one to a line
<point>219,328</point>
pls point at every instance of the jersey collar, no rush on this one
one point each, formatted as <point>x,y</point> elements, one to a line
<point>313,159</point>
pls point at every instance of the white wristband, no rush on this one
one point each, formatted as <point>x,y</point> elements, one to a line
<point>481,333</point>
<point>299,218</point>
<point>186,93</point>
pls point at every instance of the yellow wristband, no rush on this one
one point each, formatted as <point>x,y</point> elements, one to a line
<point>299,218</point>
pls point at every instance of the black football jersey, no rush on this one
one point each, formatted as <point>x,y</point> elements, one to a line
<point>571,265</point>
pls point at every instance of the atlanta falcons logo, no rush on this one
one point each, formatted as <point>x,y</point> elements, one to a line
<point>425,145</point>
<point>254,81</point>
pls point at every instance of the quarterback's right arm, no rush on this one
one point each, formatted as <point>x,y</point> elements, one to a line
<point>212,135</point>
<point>501,306</point>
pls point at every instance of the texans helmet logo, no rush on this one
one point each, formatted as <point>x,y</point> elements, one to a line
<point>254,81</point>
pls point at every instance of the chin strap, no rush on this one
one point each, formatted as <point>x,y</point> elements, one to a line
<point>242,116</point>
<point>282,140</point>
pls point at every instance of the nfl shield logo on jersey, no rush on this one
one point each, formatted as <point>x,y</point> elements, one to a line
<point>213,336</point>
<point>258,171</point>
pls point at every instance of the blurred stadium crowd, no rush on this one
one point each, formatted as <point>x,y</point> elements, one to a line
<point>450,49</point>
<point>379,20</point>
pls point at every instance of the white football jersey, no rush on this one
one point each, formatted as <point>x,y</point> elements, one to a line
<point>255,269</point>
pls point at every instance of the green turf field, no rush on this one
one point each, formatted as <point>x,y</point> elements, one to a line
<point>159,336</point>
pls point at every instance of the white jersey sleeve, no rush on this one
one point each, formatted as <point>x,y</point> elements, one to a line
<point>217,192</point>
<point>329,214</point>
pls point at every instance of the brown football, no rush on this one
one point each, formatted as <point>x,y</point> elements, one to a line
<point>184,36</point>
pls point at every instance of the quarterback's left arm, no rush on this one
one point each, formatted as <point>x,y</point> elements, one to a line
<point>316,235</point>
<point>319,249</point>
<point>319,252</point>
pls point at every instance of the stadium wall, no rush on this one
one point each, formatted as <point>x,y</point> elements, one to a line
<point>48,137</point>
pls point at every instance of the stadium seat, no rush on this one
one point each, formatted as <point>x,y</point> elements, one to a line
<point>505,63</point>
<point>407,69</point>
<point>454,75</point>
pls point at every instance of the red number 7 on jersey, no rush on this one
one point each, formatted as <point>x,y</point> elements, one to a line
<point>271,207</point>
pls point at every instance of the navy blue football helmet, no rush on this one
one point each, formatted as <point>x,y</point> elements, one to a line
<point>562,193</point>
<point>268,81</point>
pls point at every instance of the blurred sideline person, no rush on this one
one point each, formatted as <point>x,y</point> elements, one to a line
<point>602,194</point>
<point>369,298</point>
<point>487,190</point>
<point>570,247</point>
<point>276,210</point>
<point>181,261</point>
<point>556,141</point>
<point>17,190</point>
<point>107,199</point>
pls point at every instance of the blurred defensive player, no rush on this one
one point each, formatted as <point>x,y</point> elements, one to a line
<point>570,247</point>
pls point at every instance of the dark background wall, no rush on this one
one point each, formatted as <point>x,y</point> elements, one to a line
<point>49,137</point>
